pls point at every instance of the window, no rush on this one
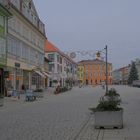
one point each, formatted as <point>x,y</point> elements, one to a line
<point>40,43</point>
<point>1,21</point>
<point>51,57</point>
<point>16,3</point>
<point>58,68</point>
<point>14,47</point>
<point>61,69</point>
<point>51,67</point>
<point>41,59</point>
<point>32,56</point>
<point>18,48</point>
<point>58,58</point>
<point>25,52</point>
<point>2,46</point>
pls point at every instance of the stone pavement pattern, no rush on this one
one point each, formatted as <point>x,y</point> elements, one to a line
<point>66,117</point>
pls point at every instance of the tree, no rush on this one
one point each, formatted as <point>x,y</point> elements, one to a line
<point>133,75</point>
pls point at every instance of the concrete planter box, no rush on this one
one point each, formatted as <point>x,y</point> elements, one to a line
<point>1,101</point>
<point>109,119</point>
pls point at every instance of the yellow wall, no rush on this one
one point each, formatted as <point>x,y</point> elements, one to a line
<point>81,73</point>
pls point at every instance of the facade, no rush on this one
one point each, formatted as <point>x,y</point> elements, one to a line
<point>120,76</point>
<point>125,74</point>
<point>4,15</point>
<point>94,72</point>
<point>25,42</point>
<point>117,77</point>
<point>61,67</point>
<point>46,70</point>
<point>80,73</point>
<point>137,62</point>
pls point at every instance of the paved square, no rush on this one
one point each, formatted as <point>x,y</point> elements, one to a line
<point>66,116</point>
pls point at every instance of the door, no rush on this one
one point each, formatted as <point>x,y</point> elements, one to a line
<point>1,82</point>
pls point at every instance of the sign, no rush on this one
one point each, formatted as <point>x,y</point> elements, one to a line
<point>6,74</point>
<point>17,65</point>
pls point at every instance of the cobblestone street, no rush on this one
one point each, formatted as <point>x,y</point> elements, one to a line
<point>66,116</point>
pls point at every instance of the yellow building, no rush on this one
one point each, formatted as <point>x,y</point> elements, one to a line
<point>94,72</point>
<point>80,73</point>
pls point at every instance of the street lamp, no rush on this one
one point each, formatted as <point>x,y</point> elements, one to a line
<point>106,54</point>
<point>106,70</point>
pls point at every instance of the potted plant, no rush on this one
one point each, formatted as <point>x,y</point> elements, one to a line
<point>108,113</point>
<point>1,100</point>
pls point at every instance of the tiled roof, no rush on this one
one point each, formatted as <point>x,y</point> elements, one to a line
<point>49,47</point>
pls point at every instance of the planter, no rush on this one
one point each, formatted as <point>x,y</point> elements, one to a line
<point>39,94</point>
<point>109,119</point>
<point>1,102</point>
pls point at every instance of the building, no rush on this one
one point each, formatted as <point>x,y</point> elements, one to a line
<point>125,74</point>
<point>46,71</point>
<point>26,40</point>
<point>94,71</point>
<point>80,73</point>
<point>4,15</point>
<point>61,67</point>
<point>117,77</point>
<point>137,62</point>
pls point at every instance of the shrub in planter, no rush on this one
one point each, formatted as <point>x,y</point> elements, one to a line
<point>63,89</point>
<point>55,81</point>
<point>38,90</point>
<point>108,113</point>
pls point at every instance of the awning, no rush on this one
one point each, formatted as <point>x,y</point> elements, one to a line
<point>41,74</point>
<point>45,73</point>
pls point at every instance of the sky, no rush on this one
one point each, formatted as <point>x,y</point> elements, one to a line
<point>89,25</point>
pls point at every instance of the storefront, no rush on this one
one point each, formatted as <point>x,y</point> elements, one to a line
<point>38,80</point>
<point>1,81</point>
<point>15,79</point>
<point>4,14</point>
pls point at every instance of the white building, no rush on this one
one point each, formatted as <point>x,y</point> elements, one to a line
<point>26,41</point>
<point>61,66</point>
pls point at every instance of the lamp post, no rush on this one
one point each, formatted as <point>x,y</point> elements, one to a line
<point>106,66</point>
<point>106,70</point>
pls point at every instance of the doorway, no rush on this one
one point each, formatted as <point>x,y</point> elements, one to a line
<point>1,82</point>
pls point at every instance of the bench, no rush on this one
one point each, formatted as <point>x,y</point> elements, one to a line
<point>30,96</point>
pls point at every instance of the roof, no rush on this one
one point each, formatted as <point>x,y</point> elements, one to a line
<point>50,47</point>
<point>95,61</point>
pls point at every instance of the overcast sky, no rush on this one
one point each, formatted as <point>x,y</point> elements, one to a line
<point>86,25</point>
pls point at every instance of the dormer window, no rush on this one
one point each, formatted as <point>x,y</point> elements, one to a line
<point>30,5</point>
